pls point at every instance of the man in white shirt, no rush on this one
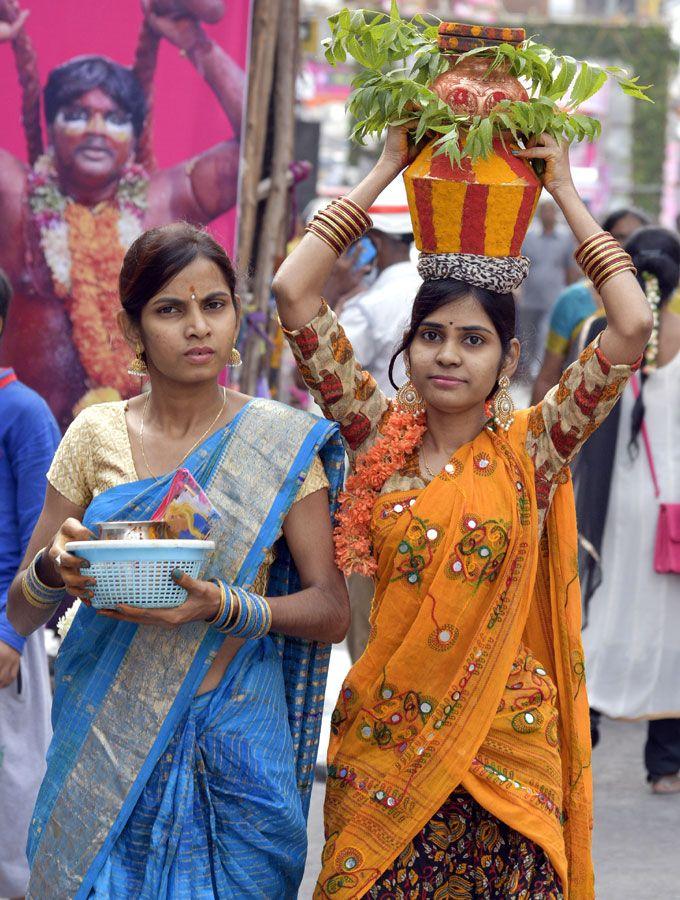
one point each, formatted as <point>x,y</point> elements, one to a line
<point>375,319</point>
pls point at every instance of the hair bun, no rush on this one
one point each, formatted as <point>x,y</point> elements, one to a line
<point>656,251</point>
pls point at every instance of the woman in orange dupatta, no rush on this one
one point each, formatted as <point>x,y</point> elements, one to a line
<point>459,763</point>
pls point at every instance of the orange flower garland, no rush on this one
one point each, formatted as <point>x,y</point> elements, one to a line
<point>401,434</point>
<point>92,303</point>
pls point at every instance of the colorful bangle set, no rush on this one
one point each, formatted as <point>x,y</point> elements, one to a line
<point>241,613</point>
<point>36,592</point>
<point>340,224</point>
<point>601,257</point>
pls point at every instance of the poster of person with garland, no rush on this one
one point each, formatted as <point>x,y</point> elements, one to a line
<point>125,116</point>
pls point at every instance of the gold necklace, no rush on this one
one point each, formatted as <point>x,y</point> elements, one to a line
<point>424,461</point>
<point>192,448</point>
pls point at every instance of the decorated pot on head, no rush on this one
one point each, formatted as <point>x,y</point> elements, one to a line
<point>470,220</point>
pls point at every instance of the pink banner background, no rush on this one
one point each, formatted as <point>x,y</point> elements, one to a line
<point>187,119</point>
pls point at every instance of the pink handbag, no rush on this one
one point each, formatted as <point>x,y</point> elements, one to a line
<point>667,548</point>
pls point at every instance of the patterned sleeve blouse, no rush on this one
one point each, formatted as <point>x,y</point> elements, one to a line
<point>558,426</point>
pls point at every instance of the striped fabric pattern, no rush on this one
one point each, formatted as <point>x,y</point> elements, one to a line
<point>481,208</point>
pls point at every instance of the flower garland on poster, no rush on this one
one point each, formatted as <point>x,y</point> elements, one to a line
<point>84,248</point>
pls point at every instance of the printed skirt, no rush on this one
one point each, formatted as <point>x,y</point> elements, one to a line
<point>464,852</point>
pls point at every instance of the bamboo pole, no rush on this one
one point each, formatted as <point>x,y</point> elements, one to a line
<point>265,18</point>
<point>274,226</point>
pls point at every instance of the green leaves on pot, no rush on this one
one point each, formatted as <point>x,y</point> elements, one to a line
<point>399,59</point>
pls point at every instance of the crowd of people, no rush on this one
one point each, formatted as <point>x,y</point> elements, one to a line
<point>182,742</point>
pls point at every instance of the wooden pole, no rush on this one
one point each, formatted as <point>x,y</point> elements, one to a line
<point>266,14</point>
<point>274,226</point>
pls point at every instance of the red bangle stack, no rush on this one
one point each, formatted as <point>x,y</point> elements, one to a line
<point>340,224</point>
<point>601,257</point>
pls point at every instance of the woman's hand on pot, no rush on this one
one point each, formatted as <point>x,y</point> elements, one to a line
<point>201,604</point>
<point>557,176</point>
<point>399,150</point>
<point>64,567</point>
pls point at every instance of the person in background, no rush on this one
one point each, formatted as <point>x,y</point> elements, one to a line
<point>632,635</point>
<point>375,320</point>
<point>550,248</point>
<point>29,437</point>
<point>576,304</point>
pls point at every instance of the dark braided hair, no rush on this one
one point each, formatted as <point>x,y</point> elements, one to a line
<point>144,67</point>
<point>27,69</point>
<point>655,251</point>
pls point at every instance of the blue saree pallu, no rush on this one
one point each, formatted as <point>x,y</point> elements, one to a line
<point>152,791</point>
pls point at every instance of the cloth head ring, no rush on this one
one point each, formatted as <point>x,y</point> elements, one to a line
<point>500,274</point>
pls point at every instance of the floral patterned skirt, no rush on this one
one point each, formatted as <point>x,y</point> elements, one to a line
<point>464,852</point>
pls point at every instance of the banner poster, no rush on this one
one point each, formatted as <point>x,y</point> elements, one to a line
<point>117,116</point>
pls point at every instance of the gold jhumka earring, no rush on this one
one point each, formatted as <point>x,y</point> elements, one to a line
<point>408,397</point>
<point>138,366</point>
<point>235,358</point>
<point>503,407</point>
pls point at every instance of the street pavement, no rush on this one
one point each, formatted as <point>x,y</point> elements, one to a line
<point>636,843</point>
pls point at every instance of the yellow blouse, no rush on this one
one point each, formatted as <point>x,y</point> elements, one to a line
<point>95,455</point>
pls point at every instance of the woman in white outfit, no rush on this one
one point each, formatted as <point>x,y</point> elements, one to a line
<point>632,635</point>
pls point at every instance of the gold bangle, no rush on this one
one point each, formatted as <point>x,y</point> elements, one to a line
<point>361,223</point>
<point>329,239</point>
<point>234,611</point>
<point>614,269</point>
<point>603,258</point>
<point>315,229</point>
<point>610,259</point>
<point>234,608</point>
<point>363,215</point>
<point>335,223</point>
<point>30,597</point>
<point>268,611</point>
<point>610,273</point>
<point>249,615</point>
<point>351,224</point>
<point>223,602</point>
<point>593,253</point>
<point>593,241</point>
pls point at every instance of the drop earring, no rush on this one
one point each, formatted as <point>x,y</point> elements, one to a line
<point>235,358</point>
<point>503,407</point>
<point>138,366</point>
<point>408,397</point>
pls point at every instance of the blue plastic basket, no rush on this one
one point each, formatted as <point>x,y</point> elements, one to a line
<point>139,572</point>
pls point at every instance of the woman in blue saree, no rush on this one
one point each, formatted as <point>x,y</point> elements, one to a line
<point>182,758</point>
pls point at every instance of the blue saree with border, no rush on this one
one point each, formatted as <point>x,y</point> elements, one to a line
<point>152,791</point>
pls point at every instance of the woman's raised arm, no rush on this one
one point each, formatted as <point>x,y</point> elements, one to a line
<point>629,317</point>
<point>300,279</point>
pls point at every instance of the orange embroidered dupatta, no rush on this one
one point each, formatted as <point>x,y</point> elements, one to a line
<point>446,693</point>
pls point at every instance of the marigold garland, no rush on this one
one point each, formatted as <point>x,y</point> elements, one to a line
<point>93,302</point>
<point>84,249</point>
<point>401,434</point>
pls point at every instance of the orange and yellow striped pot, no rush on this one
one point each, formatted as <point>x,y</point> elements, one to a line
<point>483,208</point>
